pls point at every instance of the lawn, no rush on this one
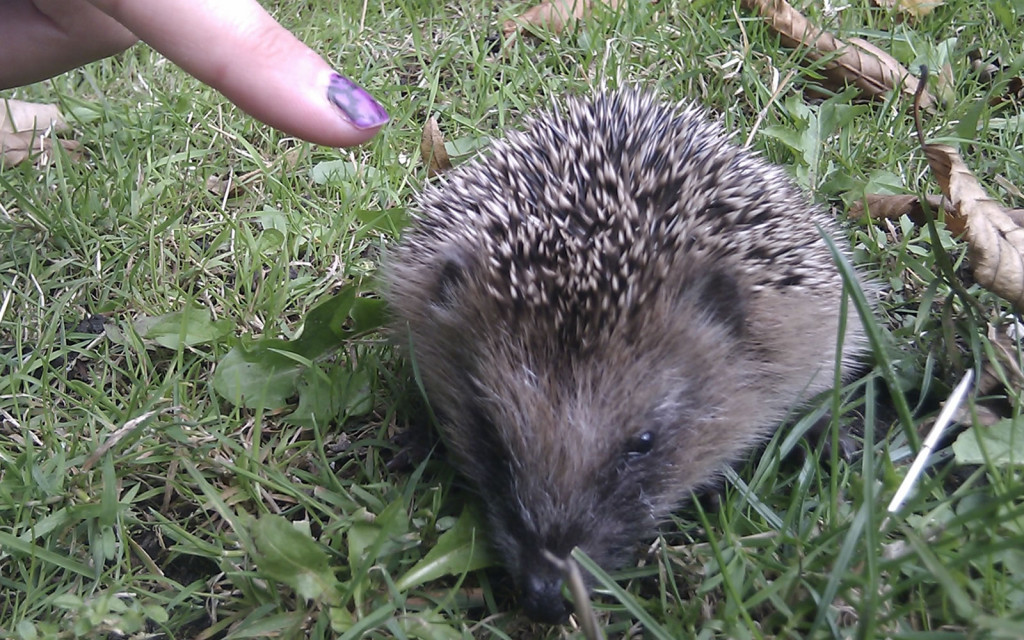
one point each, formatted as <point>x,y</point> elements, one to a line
<point>204,433</point>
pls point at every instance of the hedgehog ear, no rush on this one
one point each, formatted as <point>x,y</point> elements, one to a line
<point>720,296</point>
<point>450,280</point>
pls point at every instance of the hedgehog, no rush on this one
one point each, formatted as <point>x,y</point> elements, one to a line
<point>606,309</point>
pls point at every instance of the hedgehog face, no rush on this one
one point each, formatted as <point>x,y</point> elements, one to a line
<point>584,447</point>
<point>586,438</point>
<point>530,525</point>
<point>533,519</point>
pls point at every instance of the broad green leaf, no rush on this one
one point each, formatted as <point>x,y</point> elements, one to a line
<point>294,558</point>
<point>466,145</point>
<point>26,630</point>
<point>327,395</point>
<point>368,314</point>
<point>368,539</point>
<point>341,172</point>
<point>1001,444</point>
<point>47,524</point>
<point>155,613</point>
<point>269,241</point>
<point>267,373</point>
<point>68,601</point>
<point>258,376</point>
<point>271,218</point>
<point>459,550</point>
<point>324,327</point>
<point>389,221</point>
<point>185,328</point>
<point>341,619</point>
<point>318,399</point>
<point>371,541</point>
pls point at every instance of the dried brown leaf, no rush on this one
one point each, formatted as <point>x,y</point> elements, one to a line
<point>995,242</point>
<point>25,132</point>
<point>553,15</point>
<point>979,414</point>
<point>1010,188</point>
<point>881,207</point>
<point>224,186</point>
<point>1017,216</point>
<point>988,68</point>
<point>18,147</point>
<point>879,69</point>
<point>19,116</point>
<point>1014,92</point>
<point>432,150</point>
<point>292,157</point>
<point>1001,370</point>
<point>232,186</point>
<point>856,62</point>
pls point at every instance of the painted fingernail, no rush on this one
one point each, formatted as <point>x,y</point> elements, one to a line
<point>356,106</point>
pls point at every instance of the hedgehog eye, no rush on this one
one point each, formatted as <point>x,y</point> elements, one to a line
<point>640,445</point>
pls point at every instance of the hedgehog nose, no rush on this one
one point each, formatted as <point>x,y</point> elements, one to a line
<point>542,598</point>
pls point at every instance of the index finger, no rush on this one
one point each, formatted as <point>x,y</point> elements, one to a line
<point>236,47</point>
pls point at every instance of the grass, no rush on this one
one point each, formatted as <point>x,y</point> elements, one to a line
<point>135,499</point>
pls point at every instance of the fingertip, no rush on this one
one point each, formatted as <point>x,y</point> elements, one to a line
<point>351,115</point>
<point>330,110</point>
<point>354,137</point>
<point>359,136</point>
<point>239,49</point>
<point>355,104</point>
<point>354,116</point>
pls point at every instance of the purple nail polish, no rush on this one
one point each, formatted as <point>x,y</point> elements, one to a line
<point>357,106</point>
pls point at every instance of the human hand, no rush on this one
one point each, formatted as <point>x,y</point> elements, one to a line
<point>234,46</point>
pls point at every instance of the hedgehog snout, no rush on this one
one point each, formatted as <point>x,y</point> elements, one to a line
<point>541,592</point>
